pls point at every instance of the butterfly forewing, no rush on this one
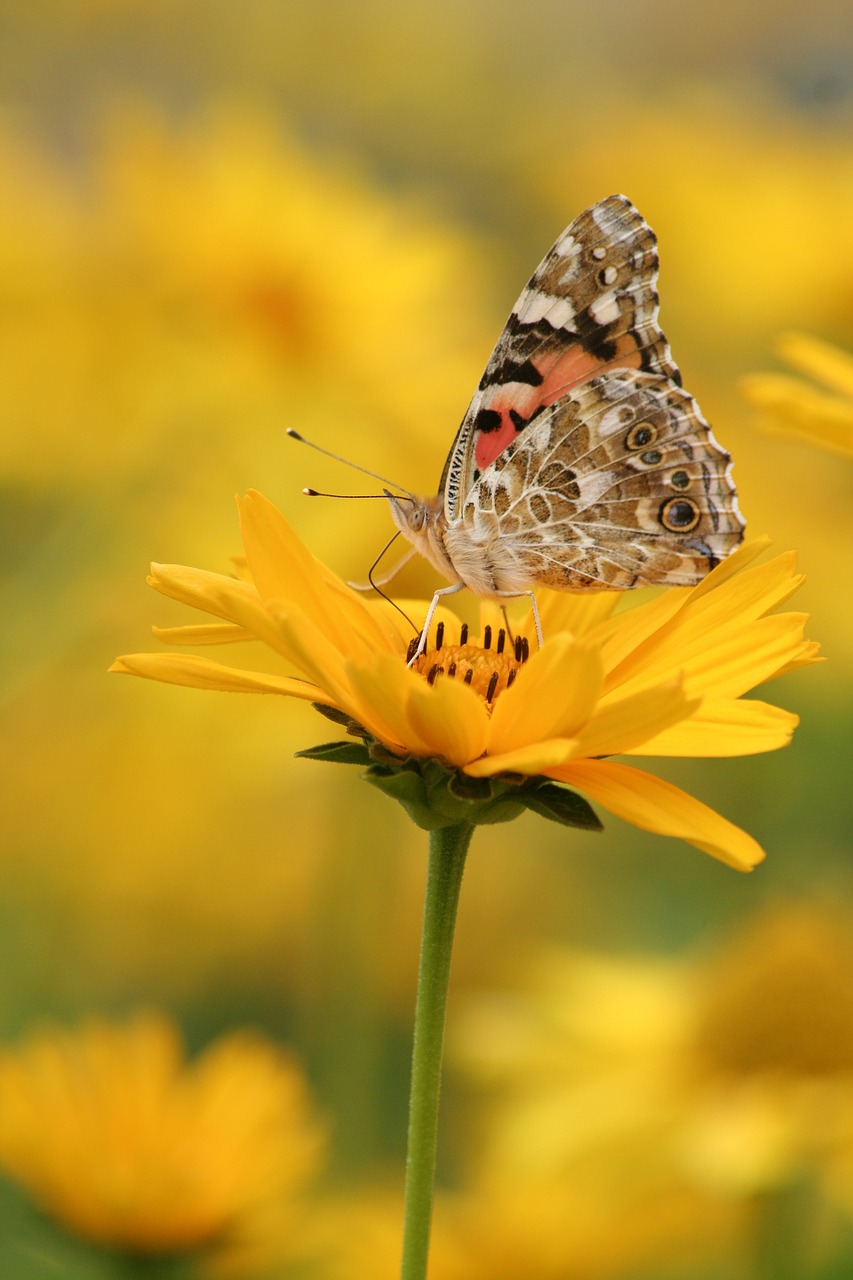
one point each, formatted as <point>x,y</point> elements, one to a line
<point>590,306</point>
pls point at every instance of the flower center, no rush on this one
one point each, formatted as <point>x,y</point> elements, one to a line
<point>487,670</point>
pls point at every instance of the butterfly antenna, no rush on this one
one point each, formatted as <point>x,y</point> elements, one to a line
<point>379,590</point>
<point>318,493</point>
<point>294,435</point>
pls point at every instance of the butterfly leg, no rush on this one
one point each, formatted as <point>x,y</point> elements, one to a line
<point>422,643</point>
<point>513,595</point>
<point>536,620</point>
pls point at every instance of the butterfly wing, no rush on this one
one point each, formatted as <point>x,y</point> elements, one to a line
<point>619,484</point>
<point>590,306</point>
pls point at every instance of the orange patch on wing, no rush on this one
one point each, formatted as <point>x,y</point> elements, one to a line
<point>492,443</point>
<point>576,366</point>
<point>562,368</point>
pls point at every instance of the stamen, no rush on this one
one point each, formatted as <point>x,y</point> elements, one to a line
<point>525,648</point>
<point>413,647</point>
<point>485,669</point>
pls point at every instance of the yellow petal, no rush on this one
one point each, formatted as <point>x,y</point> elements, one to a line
<point>237,602</point>
<point>723,727</point>
<point>739,661</point>
<point>200,589</point>
<point>791,407</point>
<point>654,805</point>
<point>578,612</point>
<point>821,360</point>
<point>308,649</point>
<point>553,696</point>
<point>753,592</point>
<point>363,626</point>
<point>381,689</point>
<point>726,662</point>
<point>806,655</point>
<point>539,757</point>
<point>732,565</point>
<point>281,565</point>
<point>622,723</point>
<point>721,659</point>
<point>623,636</point>
<point>201,673</point>
<point>284,570</point>
<point>450,718</point>
<point>494,614</point>
<point>211,633</point>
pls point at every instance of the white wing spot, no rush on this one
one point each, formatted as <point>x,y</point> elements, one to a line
<point>565,246</point>
<point>560,314</point>
<point>533,306</point>
<point>604,310</point>
<point>610,274</point>
<point>599,253</point>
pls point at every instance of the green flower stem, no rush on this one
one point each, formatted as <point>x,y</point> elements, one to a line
<point>785,1231</point>
<point>447,849</point>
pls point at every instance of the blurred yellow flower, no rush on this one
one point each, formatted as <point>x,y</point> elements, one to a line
<point>769,1059</point>
<point>126,1144</point>
<point>665,678</point>
<point>715,1079</point>
<point>794,407</point>
<point>594,1223</point>
<point>200,275</point>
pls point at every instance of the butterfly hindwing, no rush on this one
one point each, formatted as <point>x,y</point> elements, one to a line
<point>619,484</point>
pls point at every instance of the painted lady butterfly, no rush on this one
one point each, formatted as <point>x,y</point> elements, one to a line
<point>581,464</point>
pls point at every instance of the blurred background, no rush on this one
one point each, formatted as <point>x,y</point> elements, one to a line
<point>221,221</point>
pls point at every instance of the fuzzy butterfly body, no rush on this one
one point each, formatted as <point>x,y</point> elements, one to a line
<point>581,463</point>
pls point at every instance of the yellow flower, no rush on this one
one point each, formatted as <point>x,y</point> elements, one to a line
<point>127,1145</point>
<point>770,1058</point>
<point>664,679</point>
<point>794,407</point>
<point>592,1223</point>
<point>718,1078</point>
<point>206,273</point>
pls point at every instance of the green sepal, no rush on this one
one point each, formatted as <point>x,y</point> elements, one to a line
<point>338,753</point>
<point>340,717</point>
<point>561,805</point>
<point>435,796</point>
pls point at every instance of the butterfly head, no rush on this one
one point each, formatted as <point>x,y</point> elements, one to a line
<point>423,522</point>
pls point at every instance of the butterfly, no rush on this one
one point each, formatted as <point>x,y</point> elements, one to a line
<point>581,463</point>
